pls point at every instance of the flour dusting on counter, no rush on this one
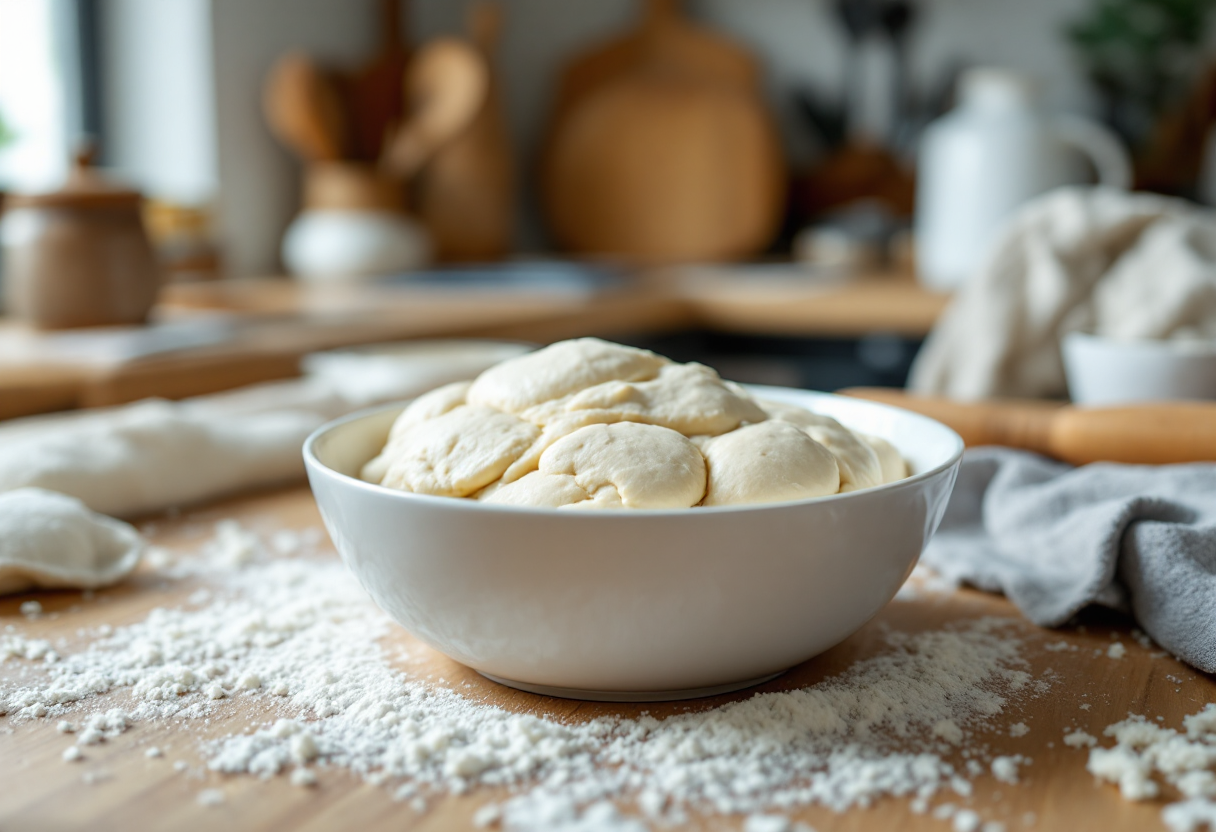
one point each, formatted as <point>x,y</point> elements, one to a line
<point>300,637</point>
<point>1144,752</point>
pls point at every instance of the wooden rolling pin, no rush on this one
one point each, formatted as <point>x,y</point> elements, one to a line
<point>1148,434</point>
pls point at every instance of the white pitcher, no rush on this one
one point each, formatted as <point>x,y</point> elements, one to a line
<point>993,152</point>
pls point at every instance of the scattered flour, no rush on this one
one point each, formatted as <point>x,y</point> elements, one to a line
<point>1005,769</point>
<point>1116,650</point>
<point>890,725</point>
<point>1018,729</point>
<point>1184,760</point>
<point>1080,739</point>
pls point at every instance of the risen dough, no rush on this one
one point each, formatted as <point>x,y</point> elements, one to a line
<point>859,464</point>
<point>893,465</point>
<point>458,452</point>
<point>688,398</point>
<point>623,465</point>
<point>769,462</point>
<point>427,406</point>
<point>558,371</point>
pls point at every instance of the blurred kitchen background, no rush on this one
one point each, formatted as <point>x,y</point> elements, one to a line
<point>788,190</point>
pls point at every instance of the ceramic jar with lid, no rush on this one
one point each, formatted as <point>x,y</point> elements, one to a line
<point>78,256</point>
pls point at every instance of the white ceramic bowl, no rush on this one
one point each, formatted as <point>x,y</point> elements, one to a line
<point>635,605</point>
<point>1107,371</point>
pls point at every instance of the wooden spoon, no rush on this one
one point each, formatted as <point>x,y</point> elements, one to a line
<point>445,87</point>
<point>303,109</point>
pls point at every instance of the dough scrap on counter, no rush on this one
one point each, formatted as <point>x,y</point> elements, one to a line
<point>427,406</point>
<point>768,462</point>
<point>859,464</point>
<point>622,465</point>
<point>51,541</point>
<point>458,452</point>
<point>558,371</point>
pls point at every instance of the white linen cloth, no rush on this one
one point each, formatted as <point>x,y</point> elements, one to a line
<point>152,455</point>
<point>1097,260</point>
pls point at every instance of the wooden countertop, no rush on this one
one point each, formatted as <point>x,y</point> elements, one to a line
<point>273,322</point>
<point>40,791</point>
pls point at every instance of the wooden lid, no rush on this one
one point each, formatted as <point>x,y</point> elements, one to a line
<point>84,188</point>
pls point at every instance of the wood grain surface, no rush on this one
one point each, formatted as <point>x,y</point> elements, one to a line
<point>38,791</point>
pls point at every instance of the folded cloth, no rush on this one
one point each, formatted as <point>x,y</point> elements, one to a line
<point>1054,539</point>
<point>154,454</point>
<point>1092,260</point>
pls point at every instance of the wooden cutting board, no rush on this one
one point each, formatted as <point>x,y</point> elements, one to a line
<point>41,792</point>
<point>661,147</point>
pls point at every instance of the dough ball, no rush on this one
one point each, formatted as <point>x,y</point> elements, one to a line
<point>559,370</point>
<point>688,398</point>
<point>51,540</point>
<point>622,465</point>
<point>427,406</point>
<point>894,467</point>
<point>537,489</point>
<point>859,465</point>
<point>430,405</point>
<point>769,462</point>
<point>560,426</point>
<point>458,452</point>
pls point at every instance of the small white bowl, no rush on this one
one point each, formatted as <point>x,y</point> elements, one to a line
<point>1108,371</point>
<point>635,605</point>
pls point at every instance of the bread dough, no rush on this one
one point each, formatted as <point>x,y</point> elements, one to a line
<point>769,462</point>
<point>688,398</point>
<point>458,452</point>
<point>893,466</point>
<point>859,465</point>
<point>50,540</point>
<point>560,426</point>
<point>427,406</point>
<point>591,424</point>
<point>558,371</point>
<point>430,405</point>
<point>622,465</point>
<point>537,489</point>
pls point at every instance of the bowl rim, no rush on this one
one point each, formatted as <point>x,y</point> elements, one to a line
<point>459,503</point>
<point>1204,348</point>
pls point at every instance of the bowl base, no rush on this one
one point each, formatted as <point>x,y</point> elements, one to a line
<point>632,696</point>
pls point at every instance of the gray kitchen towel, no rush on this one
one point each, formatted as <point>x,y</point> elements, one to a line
<point>1055,539</point>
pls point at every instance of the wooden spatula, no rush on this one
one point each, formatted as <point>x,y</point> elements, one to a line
<point>1150,434</point>
<point>303,109</point>
<point>445,86</point>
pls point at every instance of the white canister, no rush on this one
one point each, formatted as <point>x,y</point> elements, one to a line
<point>993,152</point>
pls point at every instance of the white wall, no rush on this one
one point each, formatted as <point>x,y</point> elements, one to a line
<point>259,181</point>
<point>157,70</point>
